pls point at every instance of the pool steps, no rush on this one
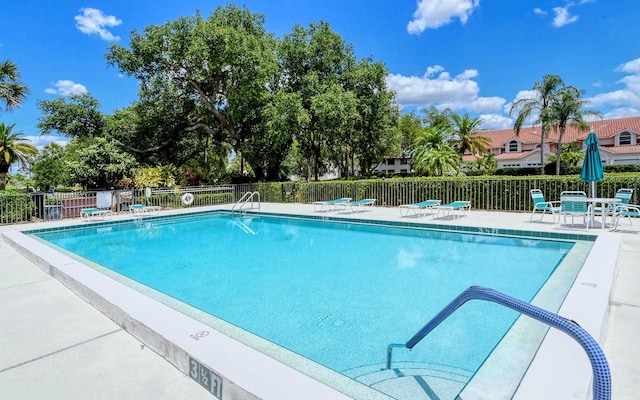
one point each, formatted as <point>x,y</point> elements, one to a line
<point>600,367</point>
<point>413,380</point>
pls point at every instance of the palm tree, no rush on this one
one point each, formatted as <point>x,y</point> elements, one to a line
<point>487,163</point>
<point>12,149</point>
<point>432,154</point>
<point>466,135</point>
<point>12,92</point>
<point>545,92</point>
<point>567,109</point>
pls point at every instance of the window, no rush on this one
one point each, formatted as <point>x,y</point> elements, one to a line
<point>513,146</point>
<point>624,139</point>
<point>404,161</point>
<point>629,161</point>
<point>391,161</point>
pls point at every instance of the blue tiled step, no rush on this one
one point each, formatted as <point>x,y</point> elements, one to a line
<point>413,380</point>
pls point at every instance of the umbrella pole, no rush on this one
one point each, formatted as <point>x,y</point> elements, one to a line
<point>593,189</point>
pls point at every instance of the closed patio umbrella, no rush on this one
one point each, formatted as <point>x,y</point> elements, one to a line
<point>592,170</point>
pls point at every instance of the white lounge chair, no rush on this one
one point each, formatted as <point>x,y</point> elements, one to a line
<point>354,206</point>
<point>329,205</point>
<point>143,209</point>
<point>624,195</point>
<point>88,214</point>
<point>449,209</point>
<point>625,210</point>
<point>417,209</point>
<point>539,204</point>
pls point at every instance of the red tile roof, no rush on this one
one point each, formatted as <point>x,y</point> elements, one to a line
<point>622,149</point>
<point>603,129</point>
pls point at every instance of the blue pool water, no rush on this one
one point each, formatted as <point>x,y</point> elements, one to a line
<point>336,293</point>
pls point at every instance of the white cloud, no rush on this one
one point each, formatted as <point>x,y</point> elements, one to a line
<point>632,67</point>
<point>496,121</point>
<point>41,141</point>
<point>629,95</point>
<point>66,87</point>
<point>562,17</point>
<point>523,94</point>
<point>438,88</point>
<point>432,14</point>
<point>622,112</point>
<point>94,21</point>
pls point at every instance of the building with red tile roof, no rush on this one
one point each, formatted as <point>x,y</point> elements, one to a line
<point>619,143</point>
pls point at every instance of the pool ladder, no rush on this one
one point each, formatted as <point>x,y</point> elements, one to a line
<point>599,364</point>
<point>248,198</point>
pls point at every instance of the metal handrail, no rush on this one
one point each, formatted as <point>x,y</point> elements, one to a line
<point>246,198</point>
<point>599,364</point>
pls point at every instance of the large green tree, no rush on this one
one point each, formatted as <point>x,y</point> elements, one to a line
<point>156,129</point>
<point>315,64</point>
<point>13,149</point>
<point>409,126</point>
<point>74,117</point>
<point>535,106</point>
<point>49,168</point>
<point>284,117</point>
<point>223,62</point>
<point>376,131</point>
<point>334,113</point>
<point>97,163</point>
<point>567,108</point>
<point>12,91</point>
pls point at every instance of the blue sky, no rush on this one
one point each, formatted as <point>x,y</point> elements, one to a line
<point>474,56</point>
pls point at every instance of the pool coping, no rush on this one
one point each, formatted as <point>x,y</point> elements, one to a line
<point>130,311</point>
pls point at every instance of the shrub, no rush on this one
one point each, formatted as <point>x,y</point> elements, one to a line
<point>517,171</point>
<point>15,207</point>
<point>622,168</point>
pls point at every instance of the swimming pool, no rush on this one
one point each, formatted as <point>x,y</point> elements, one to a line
<point>371,286</point>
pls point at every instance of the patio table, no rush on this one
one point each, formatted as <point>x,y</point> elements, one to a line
<point>604,202</point>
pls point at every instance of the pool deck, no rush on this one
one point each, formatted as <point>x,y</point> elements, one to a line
<point>57,346</point>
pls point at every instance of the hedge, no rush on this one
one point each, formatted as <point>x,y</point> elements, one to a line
<point>505,193</point>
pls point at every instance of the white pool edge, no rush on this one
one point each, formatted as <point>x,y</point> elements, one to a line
<point>561,368</point>
<point>247,373</point>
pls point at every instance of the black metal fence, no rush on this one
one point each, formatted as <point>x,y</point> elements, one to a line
<point>500,194</point>
<point>28,207</point>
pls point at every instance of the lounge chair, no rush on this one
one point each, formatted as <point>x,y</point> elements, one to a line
<point>574,204</point>
<point>450,209</point>
<point>143,209</point>
<point>539,204</point>
<point>329,205</point>
<point>624,195</point>
<point>88,214</point>
<point>354,206</point>
<point>625,210</point>
<point>417,209</point>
